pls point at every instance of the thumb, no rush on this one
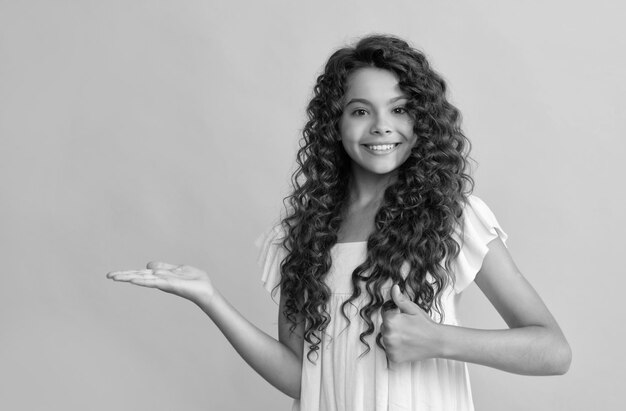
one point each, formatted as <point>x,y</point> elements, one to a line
<point>405,305</point>
<point>159,265</point>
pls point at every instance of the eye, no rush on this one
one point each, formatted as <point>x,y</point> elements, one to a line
<point>359,112</point>
<point>399,110</point>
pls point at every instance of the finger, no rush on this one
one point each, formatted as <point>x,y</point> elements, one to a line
<point>405,305</point>
<point>161,271</point>
<point>388,314</point>
<point>114,274</point>
<point>396,294</point>
<point>148,282</point>
<point>159,265</point>
<point>142,278</point>
<point>130,277</point>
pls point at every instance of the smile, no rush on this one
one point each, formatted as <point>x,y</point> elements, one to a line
<point>381,148</point>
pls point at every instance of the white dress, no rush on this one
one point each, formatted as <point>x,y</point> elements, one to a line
<point>341,381</point>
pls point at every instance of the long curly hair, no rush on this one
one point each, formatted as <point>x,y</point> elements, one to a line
<point>419,211</point>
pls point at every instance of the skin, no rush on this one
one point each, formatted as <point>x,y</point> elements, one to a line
<point>534,343</point>
<point>374,113</point>
<point>279,362</point>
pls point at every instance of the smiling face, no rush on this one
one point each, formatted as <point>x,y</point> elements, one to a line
<point>375,127</point>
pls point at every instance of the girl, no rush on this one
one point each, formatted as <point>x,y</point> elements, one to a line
<point>380,239</point>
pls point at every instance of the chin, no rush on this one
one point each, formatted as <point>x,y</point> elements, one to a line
<point>382,170</point>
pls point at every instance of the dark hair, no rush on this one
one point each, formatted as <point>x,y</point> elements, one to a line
<point>419,212</point>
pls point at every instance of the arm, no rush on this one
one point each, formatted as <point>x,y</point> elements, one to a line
<point>534,344</point>
<point>274,360</point>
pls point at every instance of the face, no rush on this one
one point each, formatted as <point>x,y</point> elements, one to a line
<point>376,129</point>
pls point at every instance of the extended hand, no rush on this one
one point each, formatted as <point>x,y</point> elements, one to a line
<point>182,280</point>
<point>408,333</point>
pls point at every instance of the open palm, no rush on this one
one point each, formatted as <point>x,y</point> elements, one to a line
<point>182,280</point>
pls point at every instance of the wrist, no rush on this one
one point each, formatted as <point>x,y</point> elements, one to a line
<point>207,299</point>
<point>443,341</point>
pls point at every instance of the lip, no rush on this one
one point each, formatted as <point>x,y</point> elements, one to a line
<point>380,153</point>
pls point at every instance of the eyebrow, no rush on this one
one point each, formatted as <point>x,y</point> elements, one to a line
<point>365,101</point>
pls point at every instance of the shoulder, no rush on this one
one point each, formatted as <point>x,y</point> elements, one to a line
<point>271,253</point>
<point>476,206</point>
<point>478,220</point>
<point>477,227</point>
<point>273,235</point>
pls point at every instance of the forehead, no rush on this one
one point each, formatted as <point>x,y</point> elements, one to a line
<point>372,83</point>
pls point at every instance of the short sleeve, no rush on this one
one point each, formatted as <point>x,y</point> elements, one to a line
<point>478,228</point>
<point>271,254</point>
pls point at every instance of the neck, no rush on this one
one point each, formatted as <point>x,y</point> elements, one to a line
<point>366,188</point>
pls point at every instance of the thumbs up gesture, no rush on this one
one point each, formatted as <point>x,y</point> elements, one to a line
<point>408,333</point>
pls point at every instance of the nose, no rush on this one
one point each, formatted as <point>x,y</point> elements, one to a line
<point>381,126</point>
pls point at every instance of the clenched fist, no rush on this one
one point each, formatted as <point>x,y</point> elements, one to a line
<point>408,333</point>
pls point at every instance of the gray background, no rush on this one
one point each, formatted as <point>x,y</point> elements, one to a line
<point>139,130</point>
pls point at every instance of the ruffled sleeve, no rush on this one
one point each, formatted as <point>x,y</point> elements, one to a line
<point>479,227</point>
<point>271,254</point>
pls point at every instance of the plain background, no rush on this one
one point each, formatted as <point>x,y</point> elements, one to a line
<point>166,130</point>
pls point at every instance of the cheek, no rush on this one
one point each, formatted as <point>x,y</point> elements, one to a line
<point>342,127</point>
<point>409,129</point>
<point>347,130</point>
<point>411,143</point>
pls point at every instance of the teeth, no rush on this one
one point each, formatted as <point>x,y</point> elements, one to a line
<point>381,147</point>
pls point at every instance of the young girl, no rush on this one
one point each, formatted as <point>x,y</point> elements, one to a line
<point>380,239</point>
